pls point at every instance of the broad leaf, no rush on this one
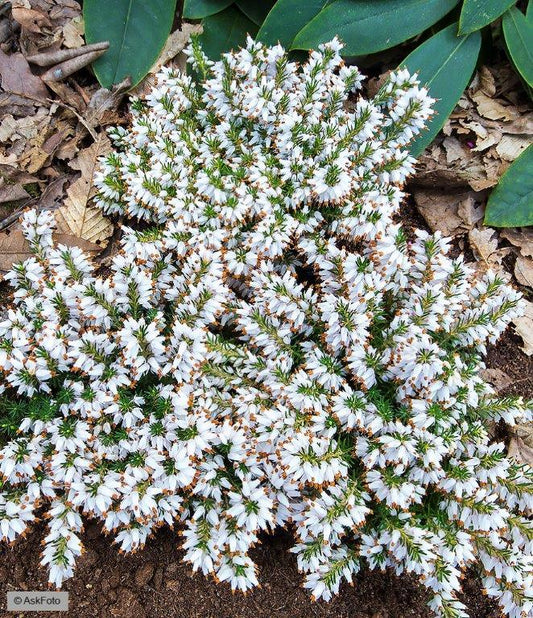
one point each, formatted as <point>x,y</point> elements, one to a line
<point>367,26</point>
<point>136,31</point>
<point>511,202</point>
<point>224,31</point>
<point>518,33</point>
<point>476,14</point>
<point>198,9</point>
<point>286,19</point>
<point>256,10</point>
<point>445,64</point>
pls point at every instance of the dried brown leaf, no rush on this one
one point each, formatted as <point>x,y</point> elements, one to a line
<point>78,216</point>
<point>102,108</point>
<point>521,238</point>
<point>450,213</point>
<point>14,248</point>
<point>439,211</point>
<point>486,81</point>
<point>521,443</point>
<point>455,150</point>
<point>497,378</point>
<point>54,194</point>
<point>12,193</point>
<point>484,243</point>
<point>523,270</point>
<point>17,77</point>
<point>524,327</point>
<point>511,146</point>
<point>470,210</point>
<point>492,109</point>
<point>73,33</point>
<point>30,19</point>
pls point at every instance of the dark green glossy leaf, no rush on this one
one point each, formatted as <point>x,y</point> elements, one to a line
<point>476,14</point>
<point>368,26</point>
<point>198,9</point>
<point>511,202</point>
<point>445,64</point>
<point>518,33</point>
<point>225,31</point>
<point>256,10</point>
<point>286,19</point>
<point>136,31</point>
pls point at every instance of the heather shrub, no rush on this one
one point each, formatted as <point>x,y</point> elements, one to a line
<point>269,348</point>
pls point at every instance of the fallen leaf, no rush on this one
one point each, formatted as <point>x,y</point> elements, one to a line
<point>521,238</point>
<point>450,213</point>
<point>73,33</point>
<point>78,216</point>
<point>511,146</point>
<point>12,174</point>
<point>102,108</point>
<point>497,378</point>
<point>484,243</point>
<point>68,149</point>
<point>493,110</point>
<point>14,248</point>
<point>64,10</point>
<point>470,210</point>
<point>15,105</point>
<point>27,127</point>
<point>524,328</point>
<point>17,77</point>
<point>521,443</point>
<point>31,20</point>
<point>53,195</point>
<point>176,42</point>
<point>12,193</point>
<point>523,270</point>
<point>487,82</point>
<point>454,149</point>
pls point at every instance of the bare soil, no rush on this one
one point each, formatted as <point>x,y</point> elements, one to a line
<point>155,583</point>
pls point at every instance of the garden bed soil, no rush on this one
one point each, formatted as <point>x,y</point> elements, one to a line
<point>155,583</point>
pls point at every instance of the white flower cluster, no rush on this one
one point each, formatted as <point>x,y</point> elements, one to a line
<point>271,352</point>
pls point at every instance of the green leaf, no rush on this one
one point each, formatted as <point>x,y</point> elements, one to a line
<point>445,64</point>
<point>511,202</point>
<point>256,10</point>
<point>518,33</point>
<point>476,14</point>
<point>224,31</point>
<point>136,31</point>
<point>198,9</point>
<point>368,26</point>
<point>286,19</point>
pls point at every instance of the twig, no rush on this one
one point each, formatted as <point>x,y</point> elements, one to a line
<point>61,104</point>
<point>14,216</point>
<point>47,59</point>
<point>60,71</point>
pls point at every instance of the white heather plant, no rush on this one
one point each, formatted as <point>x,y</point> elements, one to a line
<point>272,350</point>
